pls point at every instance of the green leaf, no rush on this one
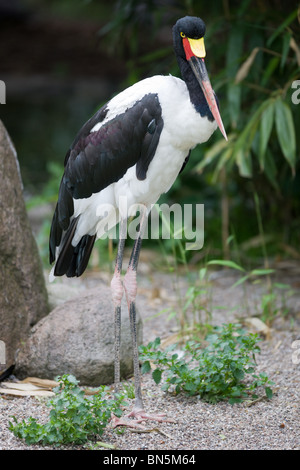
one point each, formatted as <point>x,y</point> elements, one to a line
<point>269,392</point>
<point>238,374</point>
<point>286,131</point>
<point>217,148</point>
<point>156,374</point>
<point>232,401</point>
<point>285,48</point>
<point>146,367</point>
<point>262,272</point>
<point>70,378</point>
<point>227,263</point>
<point>244,142</point>
<point>240,281</point>
<point>234,102</point>
<point>281,285</point>
<point>225,160</point>
<point>269,71</point>
<point>243,160</point>
<point>202,273</point>
<point>155,343</point>
<point>266,124</point>
<point>271,170</point>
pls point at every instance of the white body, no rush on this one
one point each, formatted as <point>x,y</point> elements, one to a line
<point>183,129</point>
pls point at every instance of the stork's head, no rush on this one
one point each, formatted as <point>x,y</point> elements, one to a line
<point>188,37</point>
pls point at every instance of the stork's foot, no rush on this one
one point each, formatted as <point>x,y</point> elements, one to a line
<point>137,416</point>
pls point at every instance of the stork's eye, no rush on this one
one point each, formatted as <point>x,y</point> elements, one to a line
<point>182,35</point>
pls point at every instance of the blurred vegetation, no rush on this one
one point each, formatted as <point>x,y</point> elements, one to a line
<point>253,59</point>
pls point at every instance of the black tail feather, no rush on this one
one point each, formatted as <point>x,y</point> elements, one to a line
<point>81,256</point>
<point>73,260</point>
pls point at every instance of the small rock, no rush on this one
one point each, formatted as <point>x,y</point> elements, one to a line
<point>60,292</point>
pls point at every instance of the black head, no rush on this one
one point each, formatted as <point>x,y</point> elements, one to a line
<point>190,27</point>
<point>188,38</point>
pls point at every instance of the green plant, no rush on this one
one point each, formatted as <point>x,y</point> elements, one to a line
<point>73,418</point>
<point>247,275</point>
<point>270,307</point>
<point>223,370</point>
<point>196,299</point>
<point>128,387</point>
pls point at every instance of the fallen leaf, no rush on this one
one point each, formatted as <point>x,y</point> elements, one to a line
<point>26,393</point>
<point>258,326</point>
<point>20,386</point>
<point>42,383</point>
<point>30,386</point>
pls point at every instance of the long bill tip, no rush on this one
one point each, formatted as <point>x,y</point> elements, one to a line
<point>222,129</point>
<point>198,66</point>
<point>213,106</point>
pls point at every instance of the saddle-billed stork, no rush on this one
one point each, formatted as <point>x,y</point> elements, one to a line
<point>132,149</point>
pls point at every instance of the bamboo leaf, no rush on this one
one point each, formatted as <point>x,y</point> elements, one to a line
<point>245,140</point>
<point>266,125</point>
<point>244,162</point>
<point>224,161</point>
<point>212,153</point>
<point>240,281</point>
<point>261,272</point>
<point>227,263</point>
<point>271,170</point>
<point>286,132</point>
<point>269,71</point>
<point>234,102</point>
<point>285,48</point>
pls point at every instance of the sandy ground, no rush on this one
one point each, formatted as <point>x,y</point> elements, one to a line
<point>266,424</point>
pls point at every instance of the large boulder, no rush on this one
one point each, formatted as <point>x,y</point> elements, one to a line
<point>23,294</point>
<point>77,337</point>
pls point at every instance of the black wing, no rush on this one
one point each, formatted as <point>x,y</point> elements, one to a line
<point>94,161</point>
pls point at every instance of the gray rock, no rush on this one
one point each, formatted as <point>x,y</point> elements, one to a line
<point>23,294</point>
<point>77,337</point>
<point>61,291</point>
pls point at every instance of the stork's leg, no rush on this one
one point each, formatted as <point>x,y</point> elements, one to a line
<point>130,287</point>
<point>117,294</point>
